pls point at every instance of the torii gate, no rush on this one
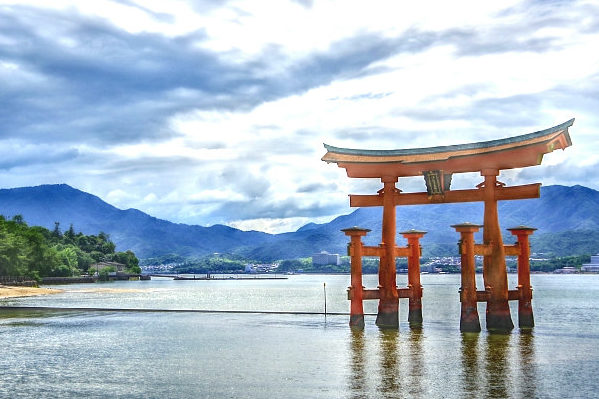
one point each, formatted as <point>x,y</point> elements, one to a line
<point>437,164</point>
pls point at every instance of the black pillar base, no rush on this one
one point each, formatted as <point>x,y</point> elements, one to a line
<point>499,319</point>
<point>388,313</point>
<point>469,321</point>
<point>526,321</point>
<point>356,321</point>
<point>387,320</point>
<point>415,318</point>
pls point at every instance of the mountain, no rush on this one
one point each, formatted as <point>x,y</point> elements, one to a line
<point>129,229</point>
<point>564,217</point>
<point>567,219</point>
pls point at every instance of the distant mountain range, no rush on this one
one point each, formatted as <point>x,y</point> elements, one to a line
<point>567,219</point>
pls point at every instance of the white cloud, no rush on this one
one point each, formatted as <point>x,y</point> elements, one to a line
<point>224,121</point>
<point>274,226</point>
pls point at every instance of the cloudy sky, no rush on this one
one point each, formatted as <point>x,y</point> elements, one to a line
<point>207,112</point>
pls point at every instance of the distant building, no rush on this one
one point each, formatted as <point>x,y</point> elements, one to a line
<point>325,258</point>
<point>119,267</point>
<point>592,267</point>
<point>428,268</point>
<point>566,270</point>
<point>261,268</point>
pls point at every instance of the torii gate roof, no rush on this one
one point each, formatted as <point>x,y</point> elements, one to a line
<point>508,153</point>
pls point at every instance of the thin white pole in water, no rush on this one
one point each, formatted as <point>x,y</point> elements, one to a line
<point>324,285</point>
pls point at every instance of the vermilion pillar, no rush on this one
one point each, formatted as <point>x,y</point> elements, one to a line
<point>388,310</point>
<point>356,318</point>
<point>525,316</point>
<point>469,321</point>
<point>415,300</point>
<point>494,270</point>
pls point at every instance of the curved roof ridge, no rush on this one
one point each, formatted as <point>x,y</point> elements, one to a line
<point>449,148</point>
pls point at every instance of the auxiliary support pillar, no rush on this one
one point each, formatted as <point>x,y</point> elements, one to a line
<point>356,290</point>
<point>525,316</point>
<point>415,300</point>
<point>469,321</point>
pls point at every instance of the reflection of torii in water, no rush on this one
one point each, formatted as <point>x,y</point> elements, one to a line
<point>437,164</point>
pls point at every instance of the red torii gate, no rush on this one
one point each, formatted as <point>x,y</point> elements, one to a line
<point>437,164</point>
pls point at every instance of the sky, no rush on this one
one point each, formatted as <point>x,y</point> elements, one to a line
<point>206,112</point>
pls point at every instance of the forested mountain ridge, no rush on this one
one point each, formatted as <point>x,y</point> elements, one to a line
<point>129,229</point>
<point>567,219</point>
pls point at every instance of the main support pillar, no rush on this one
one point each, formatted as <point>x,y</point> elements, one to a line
<point>356,318</point>
<point>388,311</point>
<point>525,316</point>
<point>494,270</point>
<point>469,321</point>
<point>415,300</point>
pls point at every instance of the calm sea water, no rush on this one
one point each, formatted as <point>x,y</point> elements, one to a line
<point>76,354</point>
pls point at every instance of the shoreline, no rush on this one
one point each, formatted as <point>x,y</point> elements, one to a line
<point>8,291</point>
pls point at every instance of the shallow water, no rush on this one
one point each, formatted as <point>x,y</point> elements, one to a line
<point>203,355</point>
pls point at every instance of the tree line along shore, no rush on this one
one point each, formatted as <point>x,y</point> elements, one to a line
<point>36,252</point>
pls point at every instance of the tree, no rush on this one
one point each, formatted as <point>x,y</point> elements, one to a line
<point>68,256</point>
<point>38,252</point>
<point>56,233</point>
<point>103,243</point>
<point>129,260</point>
<point>18,219</point>
<point>11,254</point>
<point>70,235</point>
<point>84,260</point>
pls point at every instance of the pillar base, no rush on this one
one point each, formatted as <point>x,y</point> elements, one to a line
<point>498,317</point>
<point>387,320</point>
<point>526,320</point>
<point>388,314</point>
<point>469,321</point>
<point>415,318</point>
<point>356,321</point>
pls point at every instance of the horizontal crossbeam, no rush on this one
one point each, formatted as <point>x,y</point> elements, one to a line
<point>512,295</point>
<point>512,250</point>
<point>400,252</point>
<point>483,296</point>
<point>486,249</point>
<point>526,191</point>
<point>376,294</point>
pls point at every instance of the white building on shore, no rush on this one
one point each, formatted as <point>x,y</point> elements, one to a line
<point>324,258</point>
<point>592,267</point>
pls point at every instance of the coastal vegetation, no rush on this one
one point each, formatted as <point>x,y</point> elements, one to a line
<point>566,244</point>
<point>215,263</point>
<point>551,264</point>
<point>36,252</point>
<point>231,263</point>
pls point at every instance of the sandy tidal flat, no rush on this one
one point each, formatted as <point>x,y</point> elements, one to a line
<point>12,292</point>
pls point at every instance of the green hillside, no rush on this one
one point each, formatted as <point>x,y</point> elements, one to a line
<point>37,252</point>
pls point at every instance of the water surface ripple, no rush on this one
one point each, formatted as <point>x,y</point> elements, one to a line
<point>108,354</point>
